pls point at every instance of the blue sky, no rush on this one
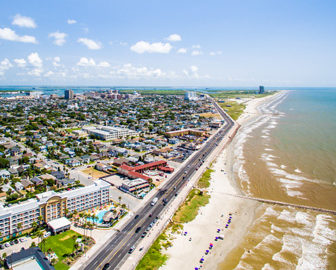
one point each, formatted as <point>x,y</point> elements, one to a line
<point>169,43</point>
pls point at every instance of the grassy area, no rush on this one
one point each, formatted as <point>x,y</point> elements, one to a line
<point>72,129</point>
<point>189,210</point>
<point>204,181</point>
<point>209,115</point>
<point>239,94</point>
<point>234,109</point>
<point>94,173</point>
<point>154,259</point>
<point>62,244</point>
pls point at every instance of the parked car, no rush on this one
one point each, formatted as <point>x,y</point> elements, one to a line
<point>7,244</point>
<point>2,246</point>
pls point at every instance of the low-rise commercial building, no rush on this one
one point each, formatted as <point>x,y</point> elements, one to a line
<point>134,185</point>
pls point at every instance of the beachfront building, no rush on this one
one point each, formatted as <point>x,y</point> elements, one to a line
<point>109,133</point>
<point>261,89</point>
<point>51,205</point>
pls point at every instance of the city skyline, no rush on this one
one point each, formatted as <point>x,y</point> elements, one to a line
<point>159,43</point>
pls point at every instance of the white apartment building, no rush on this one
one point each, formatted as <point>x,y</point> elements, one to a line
<point>51,205</point>
<point>109,133</point>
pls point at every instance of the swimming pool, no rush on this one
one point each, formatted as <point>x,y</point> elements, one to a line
<point>99,215</point>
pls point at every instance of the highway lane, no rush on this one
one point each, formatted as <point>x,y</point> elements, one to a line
<point>118,245</point>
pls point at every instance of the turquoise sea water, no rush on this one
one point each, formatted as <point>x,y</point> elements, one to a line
<point>306,136</point>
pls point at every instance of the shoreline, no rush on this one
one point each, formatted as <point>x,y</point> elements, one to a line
<point>183,253</point>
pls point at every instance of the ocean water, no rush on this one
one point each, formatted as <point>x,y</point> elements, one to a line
<point>288,154</point>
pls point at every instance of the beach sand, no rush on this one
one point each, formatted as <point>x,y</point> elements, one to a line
<point>185,254</point>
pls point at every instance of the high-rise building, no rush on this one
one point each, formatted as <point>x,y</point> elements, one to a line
<point>190,96</point>
<point>261,89</point>
<point>69,94</point>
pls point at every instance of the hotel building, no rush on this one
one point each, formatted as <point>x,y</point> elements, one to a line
<point>51,205</point>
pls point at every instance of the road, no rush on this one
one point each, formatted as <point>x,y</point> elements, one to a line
<point>117,247</point>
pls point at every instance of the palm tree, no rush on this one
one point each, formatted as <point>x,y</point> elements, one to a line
<point>119,198</point>
<point>40,235</point>
<point>40,219</point>
<point>19,226</point>
<point>34,225</point>
<point>81,217</point>
<point>74,237</point>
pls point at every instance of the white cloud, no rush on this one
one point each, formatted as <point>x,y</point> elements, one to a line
<point>20,62</point>
<point>91,44</point>
<point>216,53</point>
<point>4,65</point>
<point>56,61</point>
<point>194,68</point>
<point>71,21</point>
<point>174,38</point>
<point>196,52</point>
<point>35,60</point>
<point>134,72</point>
<point>103,64</point>
<point>192,72</point>
<point>9,34</point>
<point>48,74</point>
<point>24,21</point>
<point>59,38</point>
<point>35,72</point>
<point>157,47</point>
<point>196,46</point>
<point>85,62</point>
<point>182,50</point>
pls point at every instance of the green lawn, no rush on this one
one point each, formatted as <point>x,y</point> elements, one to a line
<point>154,259</point>
<point>204,181</point>
<point>61,244</point>
<point>234,109</point>
<point>189,210</point>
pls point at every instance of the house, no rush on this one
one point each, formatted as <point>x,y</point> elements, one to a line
<point>58,174</point>
<point>4,174</point>
<point>13,171</point>
<point>27,184</point>
<point>14,160</point>
<point>19,186</point>
<point>65,182</point>
<point>47,176</point>
<point>85,159</point>
<point>15,150</point>
<point>72,162</point>
<point>37,181</point>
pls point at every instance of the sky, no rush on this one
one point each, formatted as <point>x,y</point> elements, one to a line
<point>168,43</point>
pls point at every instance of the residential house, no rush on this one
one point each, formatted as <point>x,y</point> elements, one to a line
<point>19,186</point>
<point>4,174</point>
<point>37,181</point>
<point>27,184</point>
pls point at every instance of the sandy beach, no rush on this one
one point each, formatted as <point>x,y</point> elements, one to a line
<point>186,251</point>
